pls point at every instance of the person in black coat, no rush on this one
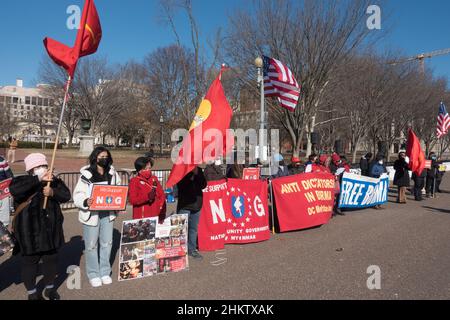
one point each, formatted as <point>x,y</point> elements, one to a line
<point>419,184</point>
<point>431,176</point>
<point>364,164</point>
<point>39,232</point>
<point>190,201</point>
<point>401,177</point>
<point>296,166</point>
<point>215,171</point>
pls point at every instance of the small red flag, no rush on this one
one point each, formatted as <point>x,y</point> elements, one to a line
<point>415,153</point>
<point>214,113</point>
<point>87,42</point>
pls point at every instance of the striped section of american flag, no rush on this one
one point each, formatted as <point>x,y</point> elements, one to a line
<point>280,82</point>
<point>443,121</point>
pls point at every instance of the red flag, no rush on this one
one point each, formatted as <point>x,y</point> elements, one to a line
<point>87,42</point>
<point>198,146</point>
<point>415,153</point>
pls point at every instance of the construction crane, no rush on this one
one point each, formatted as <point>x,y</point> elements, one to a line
<point>421,58</point>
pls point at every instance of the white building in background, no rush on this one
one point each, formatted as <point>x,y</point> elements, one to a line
<point>33,114</point>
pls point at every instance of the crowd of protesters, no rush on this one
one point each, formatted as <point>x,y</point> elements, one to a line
<point>39,232</point>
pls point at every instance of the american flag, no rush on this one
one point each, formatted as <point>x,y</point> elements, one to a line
<point>443,121</point>
<point>280,82</point>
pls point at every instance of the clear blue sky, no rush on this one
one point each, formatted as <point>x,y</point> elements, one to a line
<point>131,29</point>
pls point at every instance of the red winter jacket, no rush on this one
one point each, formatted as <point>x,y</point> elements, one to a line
<point>320,168</point>
<point>147,201</point>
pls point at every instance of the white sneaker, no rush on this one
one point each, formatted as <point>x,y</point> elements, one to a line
<point>106,280</point>
<point>96,282</point>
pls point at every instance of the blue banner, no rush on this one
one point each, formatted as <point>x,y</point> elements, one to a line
<point>362,192</point>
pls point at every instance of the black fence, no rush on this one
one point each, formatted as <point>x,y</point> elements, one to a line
<point>71,180</point>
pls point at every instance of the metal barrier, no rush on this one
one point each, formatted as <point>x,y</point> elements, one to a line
<point>71,180</point>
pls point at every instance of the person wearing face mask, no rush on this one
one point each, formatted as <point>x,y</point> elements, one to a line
<point>39,232</point>
<point>377,168</point>
<point>431,176</point>
<point>146,194</point>
<point>401,177</point>
<point>97,226</point>
<point>214,171</point>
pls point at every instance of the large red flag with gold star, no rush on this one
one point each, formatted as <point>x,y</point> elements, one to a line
<point>87,42</point>
<point>207,138</point>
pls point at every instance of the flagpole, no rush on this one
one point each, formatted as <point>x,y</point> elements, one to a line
<point>69,81</point>
<point>272,205</point>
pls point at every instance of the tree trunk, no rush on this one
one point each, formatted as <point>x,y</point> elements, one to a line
<point>71,134</point>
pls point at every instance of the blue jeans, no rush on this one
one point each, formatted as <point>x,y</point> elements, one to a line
<point>194,217</point>
<point>102,233</point>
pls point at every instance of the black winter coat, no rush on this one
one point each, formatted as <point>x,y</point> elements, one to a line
<point>190,191</point>
<point>296,170</point>
<point>38,230</point>
<point>364,165</point>
<point>431,173</point>
<point>401,177</point>
<point>214,173</point>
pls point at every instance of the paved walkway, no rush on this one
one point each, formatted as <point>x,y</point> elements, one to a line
<point>409,243</point>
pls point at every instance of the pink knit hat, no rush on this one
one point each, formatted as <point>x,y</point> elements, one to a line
<point>35,160</point>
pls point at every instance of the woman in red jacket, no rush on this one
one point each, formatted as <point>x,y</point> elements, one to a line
<point>145,193</point>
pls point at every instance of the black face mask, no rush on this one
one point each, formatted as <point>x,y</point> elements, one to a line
<point>104,163</point>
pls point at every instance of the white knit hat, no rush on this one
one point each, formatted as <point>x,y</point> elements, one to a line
<point>35,160</point>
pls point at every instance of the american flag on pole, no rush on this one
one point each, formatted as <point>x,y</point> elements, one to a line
<point>443,121</point>
<point>280,82</point>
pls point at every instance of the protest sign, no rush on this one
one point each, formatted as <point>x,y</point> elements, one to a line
<point>109,198</point>
<point>251,173</point>
<point>4,189</point>
<point>303,200</point>
<point>233,212</point>
<point>362,192</point>
<point>148,248</point>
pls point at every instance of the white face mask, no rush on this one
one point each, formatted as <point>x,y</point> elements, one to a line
<point>39,172</point>
<point>380,162</point>
<point>218,162</point>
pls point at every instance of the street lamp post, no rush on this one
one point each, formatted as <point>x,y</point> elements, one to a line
<point>161,122</point>
<point>259,64</point>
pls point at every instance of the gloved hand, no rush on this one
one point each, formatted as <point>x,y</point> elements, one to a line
<point>152,195</point>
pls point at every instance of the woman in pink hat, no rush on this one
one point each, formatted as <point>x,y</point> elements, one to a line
<point>39,232</point>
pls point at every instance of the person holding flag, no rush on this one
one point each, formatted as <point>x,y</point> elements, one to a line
<point>39,232</point>
<point>213,116</point>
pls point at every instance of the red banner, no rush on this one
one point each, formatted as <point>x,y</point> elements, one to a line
<point>303,200</point>
<point>233,212</point>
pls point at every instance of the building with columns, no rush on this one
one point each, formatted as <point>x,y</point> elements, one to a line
<point>27,113</point>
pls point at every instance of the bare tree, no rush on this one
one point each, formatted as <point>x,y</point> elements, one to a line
<point>56,79</point>
<point>196,72</point>
<point>313,38</point>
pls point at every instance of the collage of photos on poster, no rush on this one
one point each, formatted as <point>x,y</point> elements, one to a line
<point>148,248</point>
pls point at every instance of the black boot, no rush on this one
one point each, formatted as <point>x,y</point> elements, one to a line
<point>35,296</point>
<point>51,294</point>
